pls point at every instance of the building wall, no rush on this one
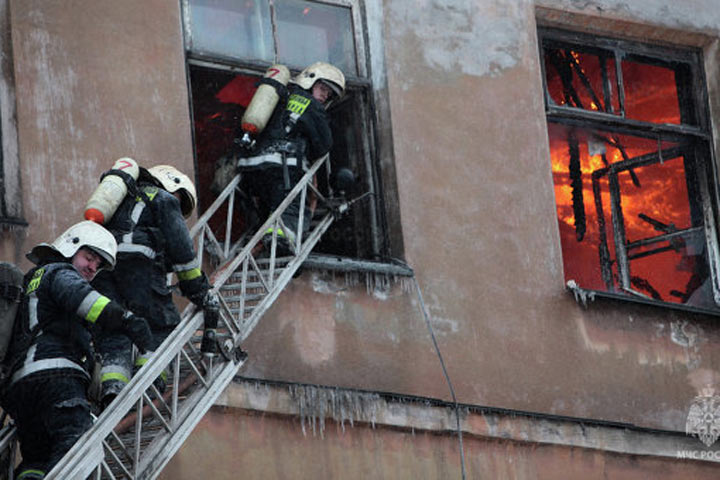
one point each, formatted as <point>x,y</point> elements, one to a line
<point>95,81</point>
<point>252,445</point>
<point>480,231</point>
<point>479,220</point>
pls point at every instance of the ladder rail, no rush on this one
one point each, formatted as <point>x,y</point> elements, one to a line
<point>224,272</point>
<point>127,398</point>
<point>163,448</point>
<point>251,322</point>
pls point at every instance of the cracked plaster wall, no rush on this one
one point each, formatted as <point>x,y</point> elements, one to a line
<point>479,224</point>
<point>101,79</point>
<point>274,447</point>
<point>96,80</point>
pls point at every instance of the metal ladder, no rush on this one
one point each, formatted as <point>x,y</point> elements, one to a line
<point>142,429</point>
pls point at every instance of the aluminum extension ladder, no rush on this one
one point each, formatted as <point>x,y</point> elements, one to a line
<point>142,429</point>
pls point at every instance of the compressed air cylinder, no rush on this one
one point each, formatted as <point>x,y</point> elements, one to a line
<point>110,192</point>
<point>264,101</point>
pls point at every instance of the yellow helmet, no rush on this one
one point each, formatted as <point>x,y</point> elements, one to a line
<point>173,180</point>
<point>328,74</point>
<point>84,234</point>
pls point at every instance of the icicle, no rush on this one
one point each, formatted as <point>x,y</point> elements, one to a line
<point>318,403</point>
<point>581,296</point>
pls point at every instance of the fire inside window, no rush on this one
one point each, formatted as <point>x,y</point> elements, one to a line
<point>635,186</point>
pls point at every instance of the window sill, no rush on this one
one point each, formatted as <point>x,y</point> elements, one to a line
<point>584,296</point>
<point>347,264</point>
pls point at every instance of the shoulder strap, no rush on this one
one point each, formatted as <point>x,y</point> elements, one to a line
<point>126,178</point>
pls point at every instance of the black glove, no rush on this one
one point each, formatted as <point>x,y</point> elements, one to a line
<point>138,330</point>
<point>195,289</point>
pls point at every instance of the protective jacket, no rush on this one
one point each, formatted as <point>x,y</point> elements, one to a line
<point>298,128</point>
<point>51,360</point>
<point>52,335</point>
<point>153,240</point>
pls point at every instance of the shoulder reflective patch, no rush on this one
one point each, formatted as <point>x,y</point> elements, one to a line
<point>151,192</point>
<point>35,280</point>
<point>298,104</point>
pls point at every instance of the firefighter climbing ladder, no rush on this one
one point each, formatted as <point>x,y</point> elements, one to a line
<point>141,430</point>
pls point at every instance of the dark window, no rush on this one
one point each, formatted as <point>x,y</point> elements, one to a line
<point>230,45</point>
<point>635,185</point>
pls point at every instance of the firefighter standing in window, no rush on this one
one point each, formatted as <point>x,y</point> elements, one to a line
<point>51,357</point>
<point>153,240</point>
<point>297,131</point>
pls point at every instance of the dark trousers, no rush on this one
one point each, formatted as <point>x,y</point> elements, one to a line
<point>139,284</point>
<point>51,412</point>
<point>268,185</point>
<point>117,364</point>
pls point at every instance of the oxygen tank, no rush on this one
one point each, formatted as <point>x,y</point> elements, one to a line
<point>110,192</point>
<point>264,101</point>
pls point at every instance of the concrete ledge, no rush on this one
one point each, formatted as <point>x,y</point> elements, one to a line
<point>315,404</point>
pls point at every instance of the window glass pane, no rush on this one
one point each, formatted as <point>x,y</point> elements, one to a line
<point>650,93</point>
<point>309,32</point>
<point>582,79</point>
<point>231,28</point>
<point>661,217</point>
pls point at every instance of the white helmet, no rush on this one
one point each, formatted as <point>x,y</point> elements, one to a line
<point>328,74</point>
<point>84,234</point>
<point>173,180</point>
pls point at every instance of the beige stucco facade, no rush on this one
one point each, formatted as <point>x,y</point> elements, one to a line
<point>464,136</point>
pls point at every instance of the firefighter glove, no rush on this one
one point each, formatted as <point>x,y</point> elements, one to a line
<point>138,330</point>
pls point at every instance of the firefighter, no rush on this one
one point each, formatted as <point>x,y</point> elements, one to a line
<point>153,240</point>
<point>298,131</point>
<point>51,355</point>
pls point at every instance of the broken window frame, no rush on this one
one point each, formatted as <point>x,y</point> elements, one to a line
<point>362,84</point>
<point>694,137</point>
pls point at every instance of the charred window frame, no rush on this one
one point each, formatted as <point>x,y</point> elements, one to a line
<point>636,184</point>
<point>11,215</point>
<point>213,66</point>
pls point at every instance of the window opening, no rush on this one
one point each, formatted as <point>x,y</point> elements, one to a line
<point>223,77</point>
<point>630,168</point>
